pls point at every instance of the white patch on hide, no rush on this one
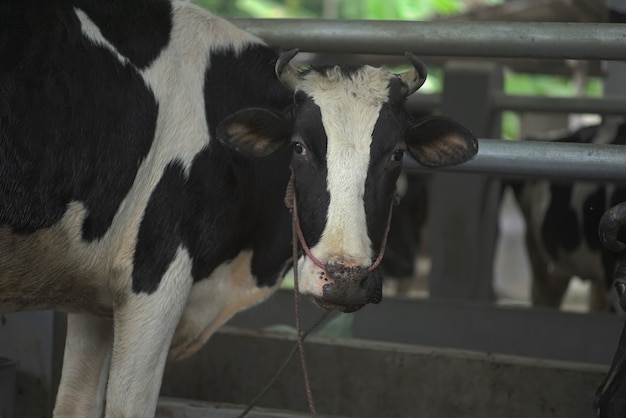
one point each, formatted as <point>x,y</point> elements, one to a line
<point>213,301</point>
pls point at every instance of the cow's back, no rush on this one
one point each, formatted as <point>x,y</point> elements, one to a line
<point>75,120</point>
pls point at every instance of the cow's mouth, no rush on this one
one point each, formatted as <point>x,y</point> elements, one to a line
<point>337,307</point>
<point>349,294</point>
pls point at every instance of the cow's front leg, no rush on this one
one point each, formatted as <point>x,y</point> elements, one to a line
<point>85,366</point>
<point>549,284</point>
<point>144,325</point>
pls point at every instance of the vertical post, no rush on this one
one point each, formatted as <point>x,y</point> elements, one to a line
<point>612,402</point>
<point>7,388</point>
<point>34,340</point>
<point>463,208</point>
<point>615,80</point>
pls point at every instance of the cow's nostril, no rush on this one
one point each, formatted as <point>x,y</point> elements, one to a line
<point>340,271</point>
<point>365,287</point>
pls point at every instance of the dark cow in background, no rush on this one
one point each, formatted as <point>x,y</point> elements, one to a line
<point>407,231</point>
<point>561,226</point>
<point>405,239</point>
<point>145,150</point>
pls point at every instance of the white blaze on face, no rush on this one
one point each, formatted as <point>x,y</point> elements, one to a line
<point>350,107</point>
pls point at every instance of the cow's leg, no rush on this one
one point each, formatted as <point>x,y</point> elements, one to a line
<point>144,326</point>
<point>598,300</point>
<point>85,366</point>
<point>549,287</point>
<point>548,283</point>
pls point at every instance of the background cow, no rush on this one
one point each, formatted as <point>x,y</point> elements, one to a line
<point>405,241</point>
<point>144,158</point>
<point>562,223</point>
<point>407,231</point>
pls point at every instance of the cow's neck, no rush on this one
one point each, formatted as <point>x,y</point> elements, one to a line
<point>242,207</point>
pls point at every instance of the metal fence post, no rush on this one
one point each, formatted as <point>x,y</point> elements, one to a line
<point>35,341</point>
<point>463,208</point>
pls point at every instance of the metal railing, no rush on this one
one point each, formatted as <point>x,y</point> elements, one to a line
<point>452,38</point>
<point>485,40</point>
<point>565,161</point>
<point>603,106</point>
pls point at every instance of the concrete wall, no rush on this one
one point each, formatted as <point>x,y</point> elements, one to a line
<point>234,369</point>
<point>357,378</point>
<point>538,333</point>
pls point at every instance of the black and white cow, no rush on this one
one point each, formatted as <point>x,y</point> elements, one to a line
<point>131,195</point>
<point>562,226</point>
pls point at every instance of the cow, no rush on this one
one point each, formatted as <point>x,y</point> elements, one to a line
<point>405,234</point>
<point>610,398</point>
<point>408,225</point>
<point>562,222</point>
<point>146,150</point>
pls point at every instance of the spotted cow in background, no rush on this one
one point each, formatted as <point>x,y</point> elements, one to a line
<point>562,226</point>
<point>145,150</point>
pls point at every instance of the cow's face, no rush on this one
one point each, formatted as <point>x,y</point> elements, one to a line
<point>348,129</point>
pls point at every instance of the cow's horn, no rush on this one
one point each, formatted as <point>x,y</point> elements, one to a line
<point>416,76</point>
<point>288,74</point>
<point>610,225</point>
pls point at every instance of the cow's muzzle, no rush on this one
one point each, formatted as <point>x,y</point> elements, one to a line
<point>349,288</point>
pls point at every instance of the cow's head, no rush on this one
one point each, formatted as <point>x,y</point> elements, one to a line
<point>349,130</point>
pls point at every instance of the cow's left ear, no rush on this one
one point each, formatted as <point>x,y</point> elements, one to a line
<point>255,132</point>
<point>437,141</point>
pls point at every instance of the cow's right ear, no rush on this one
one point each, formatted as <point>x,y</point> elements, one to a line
<point>437,141</point>
<point>255,132</point>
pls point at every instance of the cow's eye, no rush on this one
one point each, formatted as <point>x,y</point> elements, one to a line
<point>397,155</point>
<point>298,148</point>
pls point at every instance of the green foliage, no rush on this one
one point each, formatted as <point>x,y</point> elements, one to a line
<point>264,8</point>
<point>448,7</point>
<point>222,7</point>
<point>548,85</point>
<point>347,9</point>
<point>510,125</point>
<point>541,85</point>
<point>398,9</point>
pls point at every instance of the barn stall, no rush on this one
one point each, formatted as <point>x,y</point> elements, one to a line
<point>453,354</point>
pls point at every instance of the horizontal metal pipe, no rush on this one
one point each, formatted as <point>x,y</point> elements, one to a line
<point>463,39</point>
<point>565,161</point>
<point>602,106</point>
